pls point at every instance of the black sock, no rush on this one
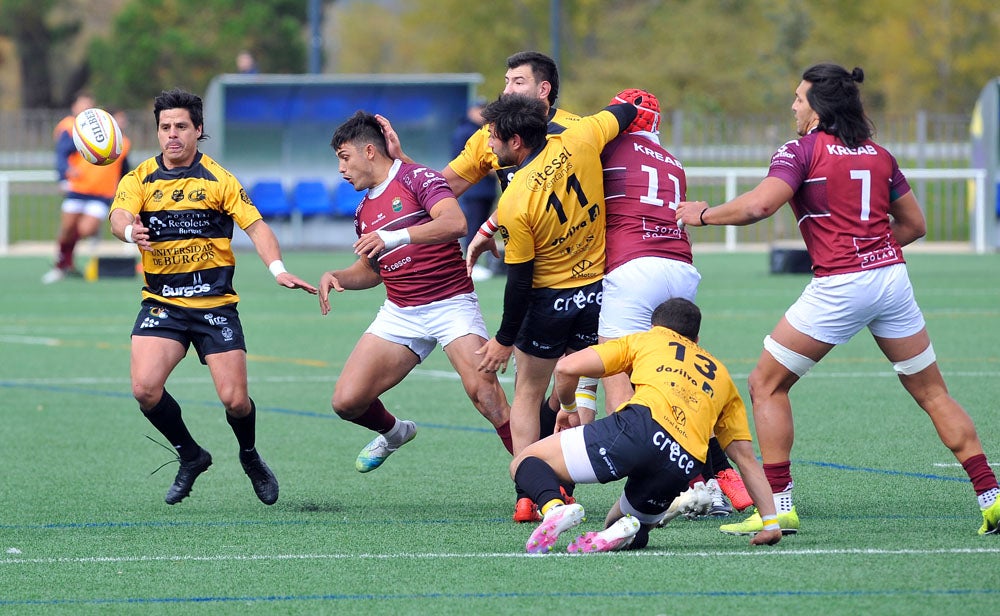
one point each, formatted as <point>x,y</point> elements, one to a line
<point>245,428</point>
<point>717,460</point>
<point>537,480</point>
<point>166,417</point>
<point>546,420</point>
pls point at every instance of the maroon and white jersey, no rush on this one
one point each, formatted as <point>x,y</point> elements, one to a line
<point>841,201</point>
<point>642,185</point>
<point>414,274</point>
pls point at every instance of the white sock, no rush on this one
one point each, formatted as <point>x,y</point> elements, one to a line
<point>783,501</point>
<point>392,436</point>
<point>987,498</point>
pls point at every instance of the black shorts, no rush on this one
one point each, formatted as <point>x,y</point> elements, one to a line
<point>211,330</point>
<point>631,444</point>
<point>560,319</point>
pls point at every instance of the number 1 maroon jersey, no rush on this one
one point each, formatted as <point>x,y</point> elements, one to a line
<point>841,201</point>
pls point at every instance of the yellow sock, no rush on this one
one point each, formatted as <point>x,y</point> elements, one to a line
<point>552,503</point>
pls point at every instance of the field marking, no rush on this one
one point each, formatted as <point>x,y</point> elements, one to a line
<point>762,552</point>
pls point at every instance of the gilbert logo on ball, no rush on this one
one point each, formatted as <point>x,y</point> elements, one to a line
<point>97,136</point>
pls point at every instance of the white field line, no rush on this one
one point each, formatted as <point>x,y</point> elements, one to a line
<point>773,552</point>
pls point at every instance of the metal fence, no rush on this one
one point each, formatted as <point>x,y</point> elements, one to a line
<point>956,211</point>
<point>723,155</point>
<point>923,140</point>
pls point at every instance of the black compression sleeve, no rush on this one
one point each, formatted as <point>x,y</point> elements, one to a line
<point>515,301</point>
<point>625,112</point>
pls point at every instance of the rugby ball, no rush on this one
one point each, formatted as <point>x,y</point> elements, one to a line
<point>97,136</point>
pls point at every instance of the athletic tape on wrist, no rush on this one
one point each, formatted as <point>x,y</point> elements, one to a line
<point>128,234</point>
<point>276,268</point>
<point>394,239</point>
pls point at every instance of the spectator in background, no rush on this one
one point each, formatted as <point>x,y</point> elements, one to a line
<point>87,190</point>
<point>245,63</point>
<point>476,202</point>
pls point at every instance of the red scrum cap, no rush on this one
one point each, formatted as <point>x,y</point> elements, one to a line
<point>648,118</point>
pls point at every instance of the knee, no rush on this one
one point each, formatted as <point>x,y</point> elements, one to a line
<point>490,400</point>
<point>348,405</point>
<point>147,396</point>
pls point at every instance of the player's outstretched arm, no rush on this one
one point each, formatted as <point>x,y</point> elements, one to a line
<point>741,452</point>
<point>266,243</point>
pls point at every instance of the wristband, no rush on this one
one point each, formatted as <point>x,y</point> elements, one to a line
<point>394,239</point>
<point>568,408</point>
<point>488,229</point>
<point>701,217</point>
<point>770,522</point>
<point>277,268</point>
<point>128,234</point>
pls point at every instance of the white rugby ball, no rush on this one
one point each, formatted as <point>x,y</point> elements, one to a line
<point>97,136</point>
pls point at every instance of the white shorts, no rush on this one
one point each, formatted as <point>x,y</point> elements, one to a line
<point>421,328</point>
<point>95,208</point>
<point>832,309</point>
<point>634,289</point>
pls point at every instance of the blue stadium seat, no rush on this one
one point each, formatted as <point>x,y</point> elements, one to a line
<point>269,197</point>
<point>346,199</point>
<point>311,199</point>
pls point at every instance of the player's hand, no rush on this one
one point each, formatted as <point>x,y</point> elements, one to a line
<point>391,138</point>
<point>140,235</point>
<point>565,421</point>
<point>477,247</point>
<point>766,537</point>
<point>291,281</point>
<point>369,245</point>
<point>495,356</point>
<point>327,282</point>
<point>689,213</point>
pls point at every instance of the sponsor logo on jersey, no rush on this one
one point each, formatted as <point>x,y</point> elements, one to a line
<point>397,205</point>
<point>196,288</point>
<point>581,267</point>
<point>177,195</point>
<point>196,195</point>
<point>544,177</point>
<point>157,195</point>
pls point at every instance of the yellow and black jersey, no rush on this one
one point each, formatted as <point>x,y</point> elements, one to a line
<point>477,160</point>
<point>689,392</point>
<point>190,213</point>
<point>553,210</point>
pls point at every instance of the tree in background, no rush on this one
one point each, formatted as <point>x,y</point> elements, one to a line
<point>161,44</point>
<point>37,36</point>
<point>734,56</point>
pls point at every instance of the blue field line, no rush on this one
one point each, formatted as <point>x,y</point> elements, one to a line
<point>627,594</point>
<point>879,471</point>
<point>213,404</point>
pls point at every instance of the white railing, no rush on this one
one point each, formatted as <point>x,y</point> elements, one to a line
<point>977,228</point>
<point>6,177</point>
<point>730,175</point>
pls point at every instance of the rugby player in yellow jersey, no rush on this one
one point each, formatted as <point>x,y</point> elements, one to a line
<point>533,74</point>
<point>552,221</point>
<point>658,441</point>
<point>179,208</point>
